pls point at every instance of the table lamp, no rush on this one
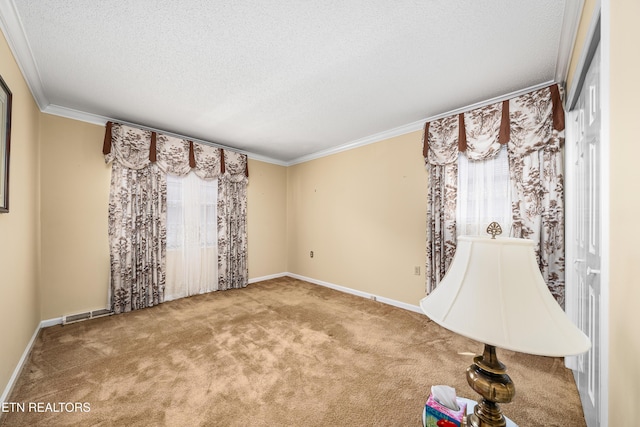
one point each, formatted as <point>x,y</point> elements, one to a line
<point>494,293</point>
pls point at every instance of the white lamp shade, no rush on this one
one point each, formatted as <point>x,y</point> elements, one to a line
<point>494,293</point>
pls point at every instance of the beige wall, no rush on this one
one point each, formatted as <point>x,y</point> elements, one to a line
<point>19,229</point>
<point>75,202</point>
<point>368,225</point>
<point>75,196</point>
<point>267,219</point>
<point>624,335</point>
<point>362,212</point>
<point>583,28</point>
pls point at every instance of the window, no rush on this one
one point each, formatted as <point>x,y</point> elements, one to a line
<point>192,244</point>
<point>484,194</point>
<point>191,211</point>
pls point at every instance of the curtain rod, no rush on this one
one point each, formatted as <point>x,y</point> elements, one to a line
<point>490,101</point>
<point>177,135</point>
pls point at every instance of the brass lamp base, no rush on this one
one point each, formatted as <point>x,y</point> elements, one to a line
<point>488,377</point>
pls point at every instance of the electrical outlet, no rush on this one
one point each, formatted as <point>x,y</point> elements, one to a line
<point>416,270</point>
<point>311,254</point>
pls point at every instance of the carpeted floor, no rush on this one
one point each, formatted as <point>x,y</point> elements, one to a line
<point>278,353</point>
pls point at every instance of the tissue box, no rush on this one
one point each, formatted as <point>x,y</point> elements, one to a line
<point>437,415</point>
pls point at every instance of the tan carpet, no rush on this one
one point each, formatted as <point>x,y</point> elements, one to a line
<point>278,353</point>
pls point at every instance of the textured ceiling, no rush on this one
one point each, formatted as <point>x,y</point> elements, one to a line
<point>283,80</point>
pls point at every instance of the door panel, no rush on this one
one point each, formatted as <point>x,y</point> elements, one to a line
<point>586,240</point>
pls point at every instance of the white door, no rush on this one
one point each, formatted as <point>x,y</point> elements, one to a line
<point>583,226</point>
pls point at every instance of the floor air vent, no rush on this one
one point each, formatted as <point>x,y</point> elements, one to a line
<point>72,318</point>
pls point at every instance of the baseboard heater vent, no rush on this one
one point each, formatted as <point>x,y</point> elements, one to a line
<point>73,318</point>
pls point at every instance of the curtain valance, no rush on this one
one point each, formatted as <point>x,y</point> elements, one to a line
<point>136,148</point>
<point>526,123</point>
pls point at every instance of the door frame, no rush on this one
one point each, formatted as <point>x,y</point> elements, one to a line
<point>598,33</point>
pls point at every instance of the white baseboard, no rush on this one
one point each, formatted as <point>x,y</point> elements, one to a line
<point>23,359</point>
<point>51,322</point>
<point>25,355</point>
<point>362,294</point>
<point>268,277</point>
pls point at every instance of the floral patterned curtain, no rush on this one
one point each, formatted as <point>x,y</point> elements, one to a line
<point>441,155</point>
<point>137,210</point>
<point>537,180</point>
<point>137,224</point>
<point>532,127</point>
<point>232,223</point>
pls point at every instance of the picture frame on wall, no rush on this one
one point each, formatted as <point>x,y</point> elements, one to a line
<point>5,144</point>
